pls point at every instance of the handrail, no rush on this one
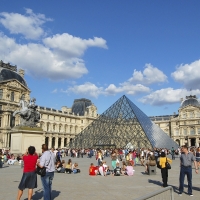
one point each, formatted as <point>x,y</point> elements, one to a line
<point>155,193</point>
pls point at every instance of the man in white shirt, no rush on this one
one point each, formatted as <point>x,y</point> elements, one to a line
<point>47,160</point>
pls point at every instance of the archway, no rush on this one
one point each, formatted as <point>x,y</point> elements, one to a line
<point>59,142</point>
<point>178,142</point>
<point>47,140</point>
<point>65,142</point>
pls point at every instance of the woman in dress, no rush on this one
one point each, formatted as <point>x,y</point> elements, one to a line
<point>29,178</point>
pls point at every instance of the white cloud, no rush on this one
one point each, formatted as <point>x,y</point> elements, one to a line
<point>126,88</point>
<point>40,61</point>
<point>72,46</point>
<point>54,91</point>
<point>29,25</point>
<point>188,75</point>
<point>92,90</point>
<point>167,96</point>
<point>149,76</point>
<point>87,89</point>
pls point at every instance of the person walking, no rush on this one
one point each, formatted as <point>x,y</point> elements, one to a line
<point>29,178</point>
<point>164,170</point>
<point>47,160</point>
<point>186,160</point>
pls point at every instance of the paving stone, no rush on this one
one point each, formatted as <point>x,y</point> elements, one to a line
<point>84,187</point>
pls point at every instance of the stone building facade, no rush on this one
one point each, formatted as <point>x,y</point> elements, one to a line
<point>183,127</point>
<point>59,126</point>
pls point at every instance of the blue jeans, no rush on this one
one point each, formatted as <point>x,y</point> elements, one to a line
<point>46,183</point>
<point>185,171</point>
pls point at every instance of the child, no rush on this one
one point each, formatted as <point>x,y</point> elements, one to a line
<point>93,170</point>
<point>129,169</point>
<point>117,170</point>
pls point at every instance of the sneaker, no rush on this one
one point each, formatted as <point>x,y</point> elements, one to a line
<point>191,195</point>
<point>180,194</point>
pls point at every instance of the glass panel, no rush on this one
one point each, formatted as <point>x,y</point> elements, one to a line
<point>185,131</point>
<point>121,123</point>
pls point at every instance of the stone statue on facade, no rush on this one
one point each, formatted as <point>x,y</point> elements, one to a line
<point>28,113</point>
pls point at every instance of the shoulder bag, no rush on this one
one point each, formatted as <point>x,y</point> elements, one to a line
<point>167,165</point>
<point>42,171</point>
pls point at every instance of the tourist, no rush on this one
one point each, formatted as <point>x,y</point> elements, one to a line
<point>186,160</point>
<point>93,170</point>
<point>101,169</point>
<point>12,160</point>
<point>29,178</point>
<point>106,168</point>
<point>129,169</point>
<point>75,168</point>
<point>150,162</point>
<point>47,160</point>
<point>68,168</point>
<point>173,153</point>
<point>142,157</point>
<point>198,157</point>
<point>117,171</point>
<point>1,162</point>
<point>60,166</point>
<point>114,159</point>
<point>164,170</point>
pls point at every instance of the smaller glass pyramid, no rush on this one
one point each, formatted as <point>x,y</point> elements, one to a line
<point>120,124</point>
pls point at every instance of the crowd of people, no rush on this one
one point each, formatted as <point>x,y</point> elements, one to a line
<point>123,163</point>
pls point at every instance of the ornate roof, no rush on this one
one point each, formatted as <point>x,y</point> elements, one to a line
<point>9,72</point>
<point>190,100</point>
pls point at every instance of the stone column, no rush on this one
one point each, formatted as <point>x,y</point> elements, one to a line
<point>189,142</point>
<point>62,142</point>
<point>50,142</point>
<point>56,141</point>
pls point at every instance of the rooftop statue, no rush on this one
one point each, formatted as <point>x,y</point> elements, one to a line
<point>28,113</point>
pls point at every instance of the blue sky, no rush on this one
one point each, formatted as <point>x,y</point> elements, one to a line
<point>101,50</point>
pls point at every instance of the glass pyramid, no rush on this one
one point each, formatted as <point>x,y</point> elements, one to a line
<point>120,124</point>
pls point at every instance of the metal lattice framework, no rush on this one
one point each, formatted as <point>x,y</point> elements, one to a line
<point>121,123</point>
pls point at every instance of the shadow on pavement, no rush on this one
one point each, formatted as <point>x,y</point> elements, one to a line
<point>39,194</point>
<point>155,182</point>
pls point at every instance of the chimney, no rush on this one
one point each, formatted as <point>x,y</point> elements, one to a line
<point>21,73</point>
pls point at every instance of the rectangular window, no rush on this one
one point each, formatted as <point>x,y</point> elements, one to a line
<point>198,130</point>
<point>1,94</point>
<point>192,131</point>
<point>0,107</point>
<point>12,96</point>
<point>185,131</point>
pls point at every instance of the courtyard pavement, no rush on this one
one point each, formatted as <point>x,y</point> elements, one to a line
<point>84,187</point>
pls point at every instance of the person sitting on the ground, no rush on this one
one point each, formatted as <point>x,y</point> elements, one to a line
<point>68,168</point>
<point>106,168</point>
<point>12,160</point>
<point>150,162</point>
<point>75,168</point>
<point>129,169</point>
<point>93,170</point>
<point>123,166</point>
<point>101,169</point>
<point>59,167</point>
<point>117,170</point>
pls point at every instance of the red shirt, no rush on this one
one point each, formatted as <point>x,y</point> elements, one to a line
<point>30,162</point>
